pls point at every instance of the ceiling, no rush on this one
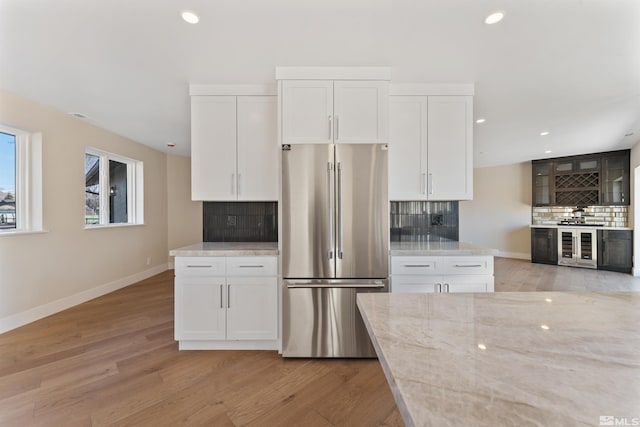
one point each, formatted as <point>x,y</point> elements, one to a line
<point>569,67</point>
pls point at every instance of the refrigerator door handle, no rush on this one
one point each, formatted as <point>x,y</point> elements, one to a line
<point>330,193</point>
<point>314,286</point>
<point>339,203</point>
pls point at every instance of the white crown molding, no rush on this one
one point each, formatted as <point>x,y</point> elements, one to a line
<point>333,73</point>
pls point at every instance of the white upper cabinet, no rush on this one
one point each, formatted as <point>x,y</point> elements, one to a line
<point>258,153</point>
<point>334,111</point>
<point>213,147</point>
<point>431,147</point>
<point>234,151</point>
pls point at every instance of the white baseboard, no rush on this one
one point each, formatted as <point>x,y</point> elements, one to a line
<point>20,319</point>
<point>516,255</point>
<point>171,265</point>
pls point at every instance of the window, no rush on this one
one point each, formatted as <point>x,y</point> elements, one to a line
<point>7,181</point>
<point>20,181</point>
<point>113,189</point>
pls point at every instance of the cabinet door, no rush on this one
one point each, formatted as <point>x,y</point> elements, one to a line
<point>542,185</point>
<point>420,284</point>
<point>252,308</point>
<point>615,180</point>
<point>360,112</point>
<point>453,284</point>
<point>450,156</point>
<point>615,250</point>
<point>407,148</point>
<point>199,309</point>
<point>544,245</point>
<point>258,152</point>
<point>213,147</point>
<point>307,112</point>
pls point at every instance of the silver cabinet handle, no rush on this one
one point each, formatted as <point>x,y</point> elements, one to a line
<point>221,296</point>
<point>199,266</point>
<point>439,287</point>
<point>339,202</point>
<point>430,183</point>
<point>337,128</point>
<point>423,183</point>
<point>233,183</point>
<point>238,184</point>
<point>314,286</point>
<point>417,265</point>
<point>330,127</point>
<point>329,188</point>
<point>251,266</point>
<point>447,285</point>
<point>468,265</point>
<point>228,296</point>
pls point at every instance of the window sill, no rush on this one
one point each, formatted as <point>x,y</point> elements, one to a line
<point>22,232</point>
<point>107,226</point>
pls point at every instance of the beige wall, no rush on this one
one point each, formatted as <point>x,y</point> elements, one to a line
<point>500,212</point>
<point>184,215</point>
<point>67,260</point>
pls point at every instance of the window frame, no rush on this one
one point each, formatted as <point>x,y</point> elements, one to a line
<point>28,191</point>
<point>135,189</point>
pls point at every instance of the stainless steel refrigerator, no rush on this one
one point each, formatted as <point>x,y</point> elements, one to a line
<point>334,245</point>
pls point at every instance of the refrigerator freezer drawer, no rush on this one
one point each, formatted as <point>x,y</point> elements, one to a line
<point>323,321</point>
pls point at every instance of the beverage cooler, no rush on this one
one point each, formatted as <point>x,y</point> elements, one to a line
<point>577,248</point>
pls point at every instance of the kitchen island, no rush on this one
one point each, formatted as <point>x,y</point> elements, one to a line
<point>530,358</point>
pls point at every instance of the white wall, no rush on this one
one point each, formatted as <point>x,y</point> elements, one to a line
<point>44,272</point>
<point>500,213</point>
<point>184,215</point>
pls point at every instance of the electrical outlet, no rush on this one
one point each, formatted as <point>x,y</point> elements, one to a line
<point>231,220</point>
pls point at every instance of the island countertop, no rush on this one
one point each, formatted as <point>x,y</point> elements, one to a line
<point>438,248</point>
<point>509,358</point>
<point>227,249</point>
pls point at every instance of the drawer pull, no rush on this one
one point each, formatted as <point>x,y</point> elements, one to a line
<point>468,265</point>
<point>199,266</point>
<point>251,266</point>
<point>418,265</point>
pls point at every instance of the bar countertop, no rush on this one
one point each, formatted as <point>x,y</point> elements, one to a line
<point>509,358</point>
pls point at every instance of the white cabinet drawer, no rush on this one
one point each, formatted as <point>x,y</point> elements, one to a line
<point>200,266</point>
<point>476,265</point>
<point>420,284</point>
<point>252,266</point>
<point>413,265</point>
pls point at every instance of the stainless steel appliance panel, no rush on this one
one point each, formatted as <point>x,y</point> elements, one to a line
<point>308,220</point>
<point>321,319</point>
<point>362,217</point>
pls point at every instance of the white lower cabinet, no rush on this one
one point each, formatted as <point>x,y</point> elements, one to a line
<point>226,303</point>
<point>443,274</point>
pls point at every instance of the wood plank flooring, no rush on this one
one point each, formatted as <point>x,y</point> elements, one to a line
<point>113,361</point>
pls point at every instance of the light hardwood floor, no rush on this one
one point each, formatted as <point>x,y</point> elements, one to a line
<point>113,361</point>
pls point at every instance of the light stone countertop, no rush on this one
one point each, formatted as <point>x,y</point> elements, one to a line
<point>227,249</point>
<point>439,248</point>
<point>579,226</point>
<point>486,360</point>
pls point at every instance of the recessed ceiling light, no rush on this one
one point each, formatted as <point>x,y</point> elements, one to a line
<point>78,115</point>
<point>481,120</point>
<point>547,151</point>
<point>190,17</point>
<point>545,327</point>
<point>545,133</point>
<point>170,144</point>
<point>494,18</point>
<point>548,300</point>
<point>482,346</point>
<point>628,134</point>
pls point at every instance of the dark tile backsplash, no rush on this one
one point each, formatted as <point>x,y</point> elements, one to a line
<point>422,221</point>
<point>240,221</point>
